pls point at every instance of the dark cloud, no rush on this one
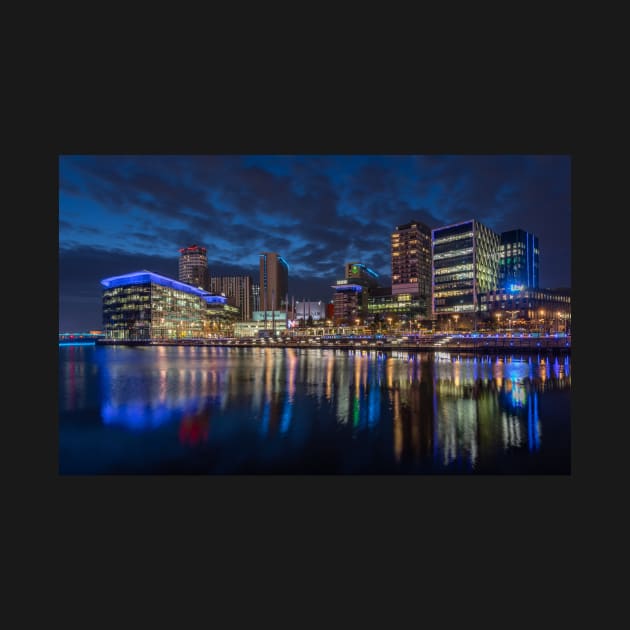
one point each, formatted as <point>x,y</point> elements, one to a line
<point>121,213</point>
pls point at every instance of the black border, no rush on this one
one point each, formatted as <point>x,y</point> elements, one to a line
<point>361,520</point>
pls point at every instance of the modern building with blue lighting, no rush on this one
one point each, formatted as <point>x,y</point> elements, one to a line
<point>146,306</point>
<point>546,309</point>
<point>518,260</point>
<point>351,293</point>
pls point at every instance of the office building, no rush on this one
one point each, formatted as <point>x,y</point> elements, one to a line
<point>146,306</point>
<point>465,264</point>
<point>548,310</point>
<point>238,290</point>
<point>274,282</point>
<point>386,308</point>
<point>351,293</point>
<point>193,267</point>
<point>412,262</point>
<point>305,309</point>
<point>518,260</point>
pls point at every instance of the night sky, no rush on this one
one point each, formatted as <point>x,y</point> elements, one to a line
<point>119,214</point>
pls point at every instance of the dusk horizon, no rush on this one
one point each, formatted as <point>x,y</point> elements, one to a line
<point>122,214</point>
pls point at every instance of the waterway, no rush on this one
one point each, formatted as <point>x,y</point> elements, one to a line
<point>220,410</point>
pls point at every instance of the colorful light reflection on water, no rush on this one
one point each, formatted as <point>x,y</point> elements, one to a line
<point>274,410</point>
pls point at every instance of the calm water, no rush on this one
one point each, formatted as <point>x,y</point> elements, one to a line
<point>194,410</point>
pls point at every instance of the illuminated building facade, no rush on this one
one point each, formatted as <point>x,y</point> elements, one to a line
<point>274,281</point>
<point>465,264</point>
<point>255,301</point>
<point>193,266</point>
<point>145,306</point>
<point>305,309</point>
<point>548,309</point>
<point>238,290</point>
<point>411,262</point>
<point>518,260</point>
<point>382,304</point>
<point>351,293</point>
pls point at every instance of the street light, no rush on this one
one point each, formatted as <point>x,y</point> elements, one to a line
<point>542,320</point>
<point>512,313</point>
<point>455,317</point>
<point>498,316</point>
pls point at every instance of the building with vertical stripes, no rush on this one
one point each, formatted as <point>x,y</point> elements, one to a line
<point>518,260</point>
<point>238,290</point>
<point>411,262</point>
<point>274,282</point>
<point>465,265</point>
<point>193,267</point>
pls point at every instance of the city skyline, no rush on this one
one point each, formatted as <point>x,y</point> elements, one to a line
<point>120,214</point>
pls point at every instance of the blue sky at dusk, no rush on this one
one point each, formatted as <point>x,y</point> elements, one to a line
<point>119,214</point>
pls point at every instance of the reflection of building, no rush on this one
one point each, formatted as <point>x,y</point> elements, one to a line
<point>194,427</point>
<point>351,293</point>
<point>411,262</point>
<point>518,260</point>
<point>238,290</point>
<point>193,266</point>
<point>465,264</point>
<point>144,306</point>
<point>274,282</point>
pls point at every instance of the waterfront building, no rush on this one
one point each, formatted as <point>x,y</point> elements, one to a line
<point>146,306</point>
<point>411,261</point>
<point>518,260</point>
<point>465,264</point>
<point>386,308</point>
<point>238,290</point>
<point>547,310</point>
<point>271,320</point>
<point>305,309</point>
<point>193,267</point>
<point>274,281</point>
<point>351,293</point>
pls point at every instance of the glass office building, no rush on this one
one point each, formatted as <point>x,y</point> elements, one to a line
<point>146,306</point>
<point>465,264</point>
<point>518,260</point>
<point>383,305</point>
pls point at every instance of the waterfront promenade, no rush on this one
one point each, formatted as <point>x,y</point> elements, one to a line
<point>483,344</point>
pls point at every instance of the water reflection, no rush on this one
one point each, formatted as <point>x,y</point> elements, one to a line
<point>395,411</point>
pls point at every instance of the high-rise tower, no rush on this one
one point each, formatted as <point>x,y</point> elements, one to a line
<point>193,267</point>
<point>518,260</point>
<point>465,264</point>
<point>274,282</point>
<point>411,259</point>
